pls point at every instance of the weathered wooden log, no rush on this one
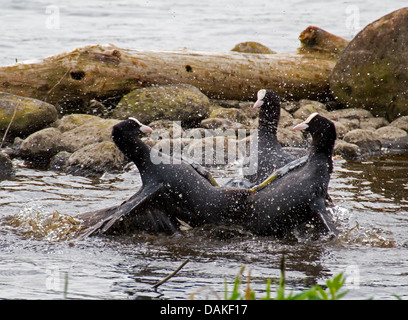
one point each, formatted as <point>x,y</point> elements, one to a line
<point>72,79</point>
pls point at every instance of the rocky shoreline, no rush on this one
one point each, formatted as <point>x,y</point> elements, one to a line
<point>362,84</point>
<point>80,144</point>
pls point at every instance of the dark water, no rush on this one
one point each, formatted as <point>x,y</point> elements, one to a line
<point>372,197</point>
<point>372,214</point>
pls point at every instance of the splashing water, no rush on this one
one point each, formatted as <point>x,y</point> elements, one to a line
<point>34,223</point>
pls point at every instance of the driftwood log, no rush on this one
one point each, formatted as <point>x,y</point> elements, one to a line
<point>71,79</point>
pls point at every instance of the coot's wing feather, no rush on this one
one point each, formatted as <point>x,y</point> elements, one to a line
<point>92,221</point>
<point>143,195</point>
<point>102,220</point>
<point>323,217</point>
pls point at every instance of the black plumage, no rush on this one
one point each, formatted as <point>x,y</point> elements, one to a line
<point>172,191</point>
<point>270,154</point>
<point>176,193</point>
<point>297,200</point>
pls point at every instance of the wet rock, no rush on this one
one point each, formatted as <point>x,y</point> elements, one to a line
<point>150,142</point>
<point>166,129</point>
<point>371,72</point>
<point>341,129</point>
<point>350,114</point>
<point>401,123</point>
<point>373,123</point>
<point>24,115</point>
<point>42,145</point>
<point>59,161</point>
<point>248,110</point>
<point>290,138</point>
<point>172,147</point>
<point>350,124</point>
<point>348,151</point>
<point>78,131</point>
<point>290,106</point>
<point>399,144</point>
<point>72,121</point>
<point>199,133</point>
<point>183,103</point>
<point>231,114</point>
<point>96,159</point>
<point>13,150</point>
<point>367,140</point>
<point>286,120</point>
<point>307,107</point>
<point>6,167</point>
<point>226,103</point>
<point>89,133</point>
<point>222,124</point>
<point>390,133</point>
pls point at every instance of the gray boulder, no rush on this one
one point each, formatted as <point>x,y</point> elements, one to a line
<point>390,133</point>
<point>348,151</point>
<point>401,123</point>
<point>96,159</point>
<point>41,145</point>
<point>367,140</point>
<point>88,133</point>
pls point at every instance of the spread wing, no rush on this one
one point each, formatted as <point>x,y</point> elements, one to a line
<point>101,220</point>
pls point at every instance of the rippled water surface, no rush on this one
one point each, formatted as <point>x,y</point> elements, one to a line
<point>372,200</point>
<point>372,196</point>
<point>38,28</point>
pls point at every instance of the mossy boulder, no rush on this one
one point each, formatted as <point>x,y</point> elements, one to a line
<point>372,72</point>
<point>72,121</point>
<point>231,114</point>
<point>24,115</point>
<point>69,134</point>
<point>96,159</point>
<point>307,107</point>
<point>90,132</point>
<point>182,103</point>
<point>252,47</point>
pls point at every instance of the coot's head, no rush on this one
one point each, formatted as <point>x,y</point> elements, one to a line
<point>129,129</point>
<point>267,98</point>
<point>322,130</point>
<point>269,104</point>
